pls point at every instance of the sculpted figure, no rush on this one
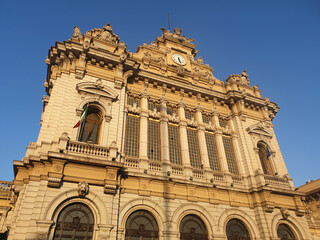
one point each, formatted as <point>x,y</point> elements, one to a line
<point>76,32</point>
<point>244,78</point>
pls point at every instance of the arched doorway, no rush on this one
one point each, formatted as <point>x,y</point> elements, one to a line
<point>75,221</point>
<point>193,228</point>
<point>141,225</point>
<point>236,230</point>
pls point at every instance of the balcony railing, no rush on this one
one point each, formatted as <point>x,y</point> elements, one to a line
<point>177,169</point>
<point>155,166</point>
<point>198,173</point>
<point>86,148</point>
<point>132,162</point>
<point>5,186</point>
<point>274,180</point>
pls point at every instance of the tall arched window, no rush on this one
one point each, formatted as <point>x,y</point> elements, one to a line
<point>75,221</point>
<point>236,230</point>
<point>285,233</point>
<point>141,225</point>
<point>265,160</point>
<point>193,228</point>
<point>89,130</point>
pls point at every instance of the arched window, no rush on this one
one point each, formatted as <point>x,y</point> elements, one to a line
<point>89,130</point>
<point>236,230</point>
<point>192,228</point>
<point>285,233</point>
<point>75,221</point>
<point>141,225</point>
<point>265,160</point>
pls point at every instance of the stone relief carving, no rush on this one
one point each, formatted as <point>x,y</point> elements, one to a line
<point>241,79</point>
<point>285,213</point>
<point>107,34</point>
<point>83,189</point>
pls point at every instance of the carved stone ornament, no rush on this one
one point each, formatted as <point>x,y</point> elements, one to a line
<point>192,122</point>
<point>76,32</point>
<point>181,71</point>
<point>241,79</point>
<point>42,235</point>
<point>97,88</point>
<point>176,34</point>
<point>210,127</point>
<point>154,113</point>
<point>174,118</point>
<point>83,189</point>
<point>268,208</point>
<point>110,188</point>
<point>285,213</point>
<point>107,34</point>
<point>134,109</point>
<point>260,129</point>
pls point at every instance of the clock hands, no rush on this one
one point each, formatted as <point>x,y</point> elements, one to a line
<point>179,60</point>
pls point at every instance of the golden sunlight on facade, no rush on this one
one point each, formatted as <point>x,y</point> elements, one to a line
<point>163,151</point>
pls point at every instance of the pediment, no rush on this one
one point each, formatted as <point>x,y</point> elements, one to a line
<point>97,88</point>
<point>260,129</point>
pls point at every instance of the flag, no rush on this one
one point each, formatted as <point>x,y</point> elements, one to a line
<point>82,118</point>
<point>268,153</point>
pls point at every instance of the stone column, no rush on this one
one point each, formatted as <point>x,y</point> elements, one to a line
<point>184,140</point>
<point>143,142</point>
<point>220,147</point>
<point>202,140</point>
<point>164,139</point>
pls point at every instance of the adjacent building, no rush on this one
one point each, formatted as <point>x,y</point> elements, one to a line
<point>163,150</point>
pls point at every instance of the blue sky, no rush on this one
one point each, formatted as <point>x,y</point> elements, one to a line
<point>277,42</point>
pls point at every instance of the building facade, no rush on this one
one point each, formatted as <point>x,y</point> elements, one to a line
<point>164,150</point>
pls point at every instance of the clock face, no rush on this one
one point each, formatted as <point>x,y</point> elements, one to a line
<point>177,58</point>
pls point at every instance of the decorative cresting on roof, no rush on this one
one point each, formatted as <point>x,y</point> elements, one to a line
<point>242,79</point>
<point>260,128</point>
<point>177,37</point>
<point>97,88</point>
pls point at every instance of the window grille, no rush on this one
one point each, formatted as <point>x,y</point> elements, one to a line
<point>212,152</point>
<point>193,148</point>
<point>75,221</point>
<point>153,105</point>
<point>189,114</point>
<point>171,110</point>
<point>133,101</point>
<point>153,140</point>
<point>206,118</point>
<point>131,145</point>
<point>174,144</point>
<point>193,228</point>
<point>141,225</point>
<point>231,161</point>
<point>237,230</point>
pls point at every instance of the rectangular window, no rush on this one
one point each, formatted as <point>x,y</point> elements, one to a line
<point>189,114</point>
<point>174,144</point>
<point>212,152</point>
<point>131,143</point>
<point>133,101</point>
<point>231,161</point>
<point>152,106</point>
<point>153,140</point>
<point>193,148</point>
<point>206,119</point>
<point>171,111</point>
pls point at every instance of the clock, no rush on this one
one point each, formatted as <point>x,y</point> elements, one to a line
<point>178,59</point>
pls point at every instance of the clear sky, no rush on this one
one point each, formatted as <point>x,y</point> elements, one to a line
<point>277,42</point>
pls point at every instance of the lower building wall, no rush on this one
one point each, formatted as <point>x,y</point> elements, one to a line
<point>38,207</point>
